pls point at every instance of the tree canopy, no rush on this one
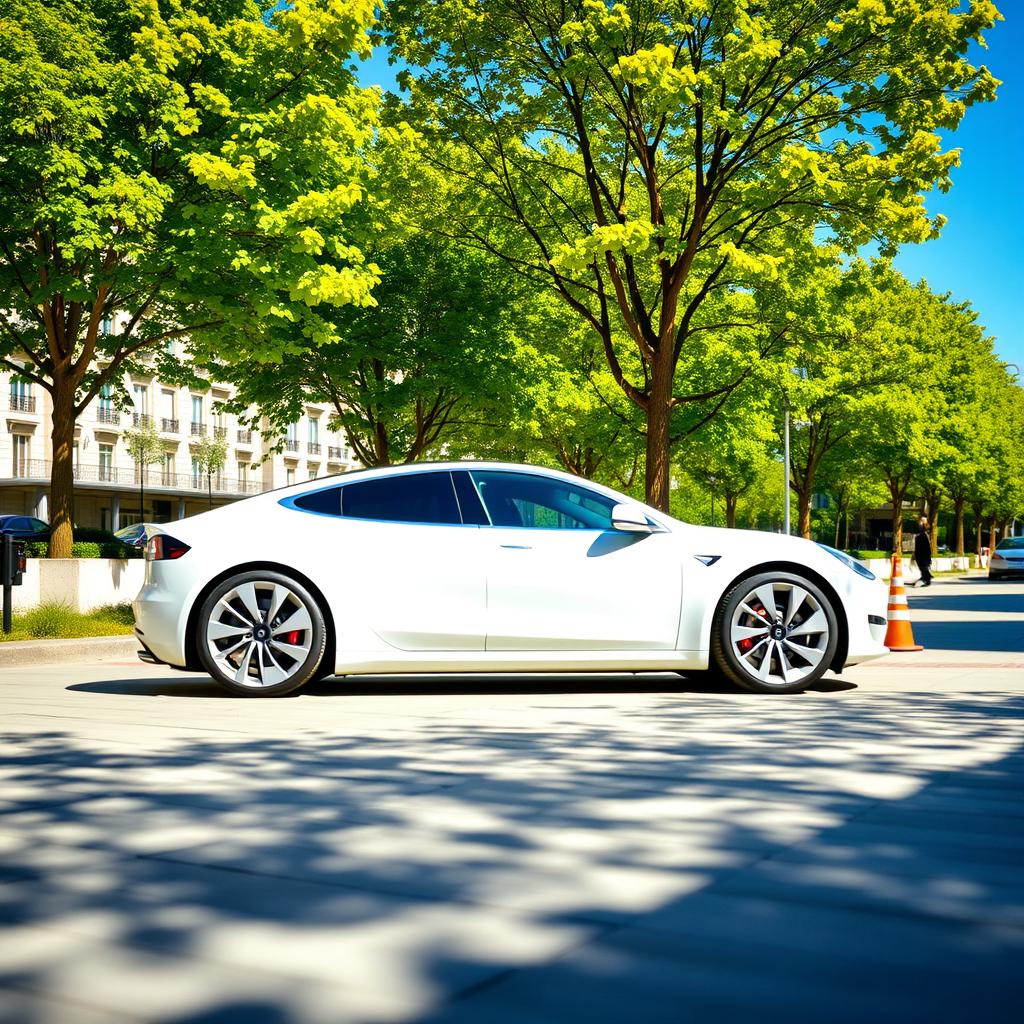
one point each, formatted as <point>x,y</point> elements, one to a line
<point>182,169</point>
<point>638,157</point>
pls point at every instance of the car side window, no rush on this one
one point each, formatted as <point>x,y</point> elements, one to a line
<point>541,503</point>
<point>406,498</point>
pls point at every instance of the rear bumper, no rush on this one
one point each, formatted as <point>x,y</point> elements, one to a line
<point>158,625</point>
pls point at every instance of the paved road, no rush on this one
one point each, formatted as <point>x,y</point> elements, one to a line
<point>545,850</point>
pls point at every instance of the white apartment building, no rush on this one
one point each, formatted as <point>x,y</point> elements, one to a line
<point>106,477</point>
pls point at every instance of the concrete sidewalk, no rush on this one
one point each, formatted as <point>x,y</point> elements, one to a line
<point>494,849</point>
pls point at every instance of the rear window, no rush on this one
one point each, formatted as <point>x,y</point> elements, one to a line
<point>327,502</point>
<point>1010,543</point>
<point>408,498</point>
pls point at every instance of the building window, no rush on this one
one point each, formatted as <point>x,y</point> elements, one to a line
<point>107,325</point>
<point>314,430</point>
<point>289,476</point>
<point>141,396</point>
<point>106,462</point>
<point>243,475</point>
<point>167,470</point>
<point>22,453</point>
<point>22,399</point>
<point>197,475</point>
<point>106,398</point>
<point>312,472</point>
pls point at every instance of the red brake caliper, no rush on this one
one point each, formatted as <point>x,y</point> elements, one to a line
<point>748,642</point>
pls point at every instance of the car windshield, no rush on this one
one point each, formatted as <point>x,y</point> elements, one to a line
<point>1010,543</point>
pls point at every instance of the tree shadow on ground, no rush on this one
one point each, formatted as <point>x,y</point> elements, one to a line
<point>684,857</point>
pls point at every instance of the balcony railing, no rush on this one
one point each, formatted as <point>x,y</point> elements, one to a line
<point>313,448</point>
<point>156,477</point>
<point>169,426</point>
<point>291,446</point>
<point>23,403</point>
<point>220,431</point>
<point>141,419</point>
<point>198,429</point>
<point>336,453</point>
<point>108,416</point>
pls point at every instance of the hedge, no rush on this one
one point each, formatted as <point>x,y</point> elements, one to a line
<point>89,542</point>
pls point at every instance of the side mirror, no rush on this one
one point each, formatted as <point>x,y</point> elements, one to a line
<point>630,519</point>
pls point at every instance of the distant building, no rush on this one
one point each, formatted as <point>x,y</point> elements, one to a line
<point>107,479</point>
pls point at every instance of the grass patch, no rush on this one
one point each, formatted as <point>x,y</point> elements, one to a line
<point>61,622</point>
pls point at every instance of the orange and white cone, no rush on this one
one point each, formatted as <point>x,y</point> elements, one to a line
<point>899,636</point>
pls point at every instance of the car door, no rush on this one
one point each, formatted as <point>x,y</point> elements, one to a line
<point>559,577</point>
<point>415,567</point>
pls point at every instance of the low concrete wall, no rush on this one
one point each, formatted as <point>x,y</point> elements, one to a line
<point>882,567</point>
<point>82,583</point>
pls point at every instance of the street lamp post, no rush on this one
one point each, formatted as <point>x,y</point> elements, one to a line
<point>785,459</point>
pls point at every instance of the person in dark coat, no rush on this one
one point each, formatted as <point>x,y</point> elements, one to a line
<point>923,553</point>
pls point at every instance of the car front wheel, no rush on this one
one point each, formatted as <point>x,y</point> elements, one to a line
<point>775,633</point>
<point>261,634</point>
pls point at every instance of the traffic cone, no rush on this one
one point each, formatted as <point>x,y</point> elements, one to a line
<point>899,636</point>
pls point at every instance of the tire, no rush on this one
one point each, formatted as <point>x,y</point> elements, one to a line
<point>792,603</point>
<point>250,656</point>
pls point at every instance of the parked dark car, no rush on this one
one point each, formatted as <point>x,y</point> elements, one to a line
<point>24,527</point>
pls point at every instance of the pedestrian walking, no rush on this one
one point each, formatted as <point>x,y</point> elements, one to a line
<point>923,553</point>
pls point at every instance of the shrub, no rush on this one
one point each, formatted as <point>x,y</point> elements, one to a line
<point>59,621</point>
<point>36,549</point>
<point>85,549</point>
<point>48,620</point>
<point>865,555</point>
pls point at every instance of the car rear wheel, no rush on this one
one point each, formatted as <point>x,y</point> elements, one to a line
<point>261,634</point>
<point>775,633</point>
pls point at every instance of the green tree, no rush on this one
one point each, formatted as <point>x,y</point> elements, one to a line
<point>143,444</point>
<point>170,170</point>
<point>734,451</point>
<point>639,157</point>
<point>211,455</point>
<point>852,345</point>
<point>430,358</point>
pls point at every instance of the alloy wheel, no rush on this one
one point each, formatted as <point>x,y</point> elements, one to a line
<point>259,634</point>
<point>779,633</point>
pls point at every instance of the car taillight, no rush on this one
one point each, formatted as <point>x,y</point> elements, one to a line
<point>161,547</point>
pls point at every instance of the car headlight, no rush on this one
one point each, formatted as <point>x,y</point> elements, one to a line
<point>850,563</point>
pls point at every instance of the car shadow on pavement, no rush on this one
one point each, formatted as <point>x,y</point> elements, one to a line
<point>675,860</point>
<point>394,685</point>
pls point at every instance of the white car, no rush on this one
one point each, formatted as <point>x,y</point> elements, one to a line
<point>488,567</point>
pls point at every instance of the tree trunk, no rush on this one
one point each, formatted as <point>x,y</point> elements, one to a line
<point>803,505</point>
<point>659,415</point>
<point>897,492</point>
<point>934,502</point>
<point>142,491</point>
<point>730,510</point>
<point>62,472</point>
<point>991,535</point>
<point>958,517</point>
<point>977,530</point>
<point>840,517</point>
<point>209,488</point>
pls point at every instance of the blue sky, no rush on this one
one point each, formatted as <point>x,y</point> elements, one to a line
<point>978,255</point>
